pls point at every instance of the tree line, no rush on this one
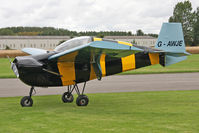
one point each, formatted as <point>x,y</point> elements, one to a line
<point>183,13</point>
<point>51,31</point>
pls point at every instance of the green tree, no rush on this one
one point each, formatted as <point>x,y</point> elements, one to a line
<point>183,13</point>
<point>129,33</point>
<point>153,35</point>
<point>5,31</point>
<point>7,48</point>
<point>100,35</point>
<point>139,32</point>
<point>196,28</point>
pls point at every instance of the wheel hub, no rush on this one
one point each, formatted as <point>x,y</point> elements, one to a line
<point>27,102</point>
<point>69,97</point>
<point>83,101</point>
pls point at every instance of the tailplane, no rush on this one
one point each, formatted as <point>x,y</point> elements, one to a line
<point>171,42</point>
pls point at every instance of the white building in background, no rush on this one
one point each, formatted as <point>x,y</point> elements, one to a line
<point>19,42</point>
<point>50,42</point>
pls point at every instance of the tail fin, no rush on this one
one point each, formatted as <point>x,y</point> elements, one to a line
<point>171,42</point>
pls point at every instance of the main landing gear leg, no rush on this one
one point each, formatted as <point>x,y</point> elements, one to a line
<point>82,100</point>
<point>27,100</point>
<point>67,97</point>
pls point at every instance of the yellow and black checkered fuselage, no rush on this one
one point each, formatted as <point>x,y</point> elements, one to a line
<point>76,72</point>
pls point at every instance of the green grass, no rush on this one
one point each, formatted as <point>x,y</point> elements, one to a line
<point>189,65</point>
<point>138,112</point>
<point>5,69</point>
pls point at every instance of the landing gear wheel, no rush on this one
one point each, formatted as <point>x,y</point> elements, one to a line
<point>67,97</point>
<point>82,100</point>
<point>26,101</point>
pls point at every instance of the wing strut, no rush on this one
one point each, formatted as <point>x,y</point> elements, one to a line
<point>96,66</point>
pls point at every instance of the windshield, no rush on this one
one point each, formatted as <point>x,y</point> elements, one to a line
<point>72,43</point>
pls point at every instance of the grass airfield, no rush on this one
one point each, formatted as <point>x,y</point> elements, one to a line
<point>139,112</point>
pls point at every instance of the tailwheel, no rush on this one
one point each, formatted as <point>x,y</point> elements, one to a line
<point>67,97</point>
<point>26,101</point>
<point>82,100</point>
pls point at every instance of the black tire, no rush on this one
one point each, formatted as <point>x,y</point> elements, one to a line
<point>67,97</point>
<point>82,100</point>
<point>26,101</point>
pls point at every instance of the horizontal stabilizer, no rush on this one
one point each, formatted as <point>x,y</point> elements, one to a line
<point>34,51</point>
<point>174,59</point>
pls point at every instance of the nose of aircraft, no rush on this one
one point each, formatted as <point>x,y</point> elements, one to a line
<point>25,64</point>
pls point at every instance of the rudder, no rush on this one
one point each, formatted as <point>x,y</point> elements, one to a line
<point>171,42</point>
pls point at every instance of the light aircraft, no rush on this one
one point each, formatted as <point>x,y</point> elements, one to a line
<point>81,59</point>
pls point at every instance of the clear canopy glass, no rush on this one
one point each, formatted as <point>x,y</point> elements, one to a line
<point>72,43</point>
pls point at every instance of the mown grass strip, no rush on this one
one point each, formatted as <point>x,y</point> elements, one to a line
<point>140,112</point>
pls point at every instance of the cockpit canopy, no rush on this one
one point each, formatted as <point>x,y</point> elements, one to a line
<point>72,43</point>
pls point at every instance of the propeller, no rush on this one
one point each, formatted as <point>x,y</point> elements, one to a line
<point>13,67</point>
<point>9,59</point>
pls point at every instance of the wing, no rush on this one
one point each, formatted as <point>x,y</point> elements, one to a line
<point>34,51</point>
<point>97,48</point>
<point>92,52</point>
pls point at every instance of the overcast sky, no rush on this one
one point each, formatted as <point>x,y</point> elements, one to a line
<point>86,15</point>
